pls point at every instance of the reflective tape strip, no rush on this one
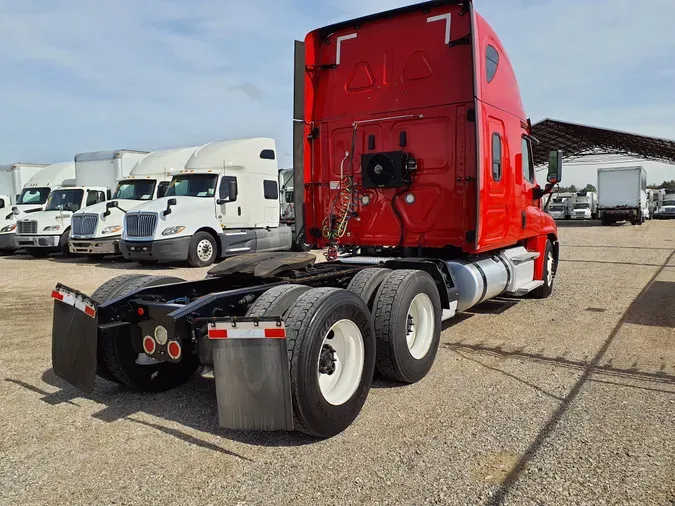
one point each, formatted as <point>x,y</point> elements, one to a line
<point>247,332</point>
<point>77,302</point>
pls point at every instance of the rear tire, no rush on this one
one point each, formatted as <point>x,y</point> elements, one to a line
<point>38,252</point>
<point>108,291</point>
<point>327,324</point>
<point>546,289</point>
<point>276,301</point>
<point>407,313</point>
<point>203,250</point>
<point>366,283</point>
<point>117,354</point>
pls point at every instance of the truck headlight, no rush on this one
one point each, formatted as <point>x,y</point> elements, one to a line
<point>52,228</point>
<point>112,230</point>
<point>9,228</point>
<point>173,231</point>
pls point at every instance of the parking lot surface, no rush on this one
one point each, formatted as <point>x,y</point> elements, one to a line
<point>570,400</point>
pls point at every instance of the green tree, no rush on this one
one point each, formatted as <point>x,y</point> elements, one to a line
<point>590,188</point>
<point>668,185</point>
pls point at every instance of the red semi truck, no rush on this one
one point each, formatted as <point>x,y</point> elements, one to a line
<point>415,157</point>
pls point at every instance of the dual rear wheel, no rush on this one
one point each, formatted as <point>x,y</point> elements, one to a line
<point>389,320</point>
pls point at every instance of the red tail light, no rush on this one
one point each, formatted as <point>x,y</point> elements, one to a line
<point>174,350</point>
<point>149,345</point>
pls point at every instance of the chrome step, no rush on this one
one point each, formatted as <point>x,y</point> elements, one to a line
<point>524,257</point>
<point>525,289</point>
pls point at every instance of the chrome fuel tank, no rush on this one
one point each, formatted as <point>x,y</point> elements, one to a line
<point>479,279</point>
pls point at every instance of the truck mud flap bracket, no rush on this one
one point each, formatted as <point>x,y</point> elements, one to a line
<point>250,362</point>
<point>74,338</point>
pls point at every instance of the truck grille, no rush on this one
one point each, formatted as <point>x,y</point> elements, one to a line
<point>84,224</point>
<point>27,227</point>
<point>140,225</point>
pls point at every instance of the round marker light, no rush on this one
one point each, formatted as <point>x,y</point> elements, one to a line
<point>149,346</point>
<point>410,198</point>
<point>140,311</point>
<point>161,335</point>
<point>365,200</point>
<point>174,350</point>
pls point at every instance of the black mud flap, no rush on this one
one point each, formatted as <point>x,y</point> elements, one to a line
<point>252,376</point>
<point>74,340</point>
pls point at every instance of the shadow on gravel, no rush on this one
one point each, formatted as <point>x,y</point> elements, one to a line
<point>192,405</point>
<point>589,369</point>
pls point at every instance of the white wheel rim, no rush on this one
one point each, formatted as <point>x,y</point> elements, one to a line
<point>420,326</point>
<point>549,268</point>
<point>204,250</point>
<point>348,352</point>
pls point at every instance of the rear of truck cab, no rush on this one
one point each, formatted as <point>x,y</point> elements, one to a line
<point>444,115</point>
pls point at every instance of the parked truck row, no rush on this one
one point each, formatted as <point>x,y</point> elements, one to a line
<point>622,196</point>
<point>423,195</point>
<point>195,204</point>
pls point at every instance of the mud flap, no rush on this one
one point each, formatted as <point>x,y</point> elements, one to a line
<point>250,362</point>
<point>74,340</point>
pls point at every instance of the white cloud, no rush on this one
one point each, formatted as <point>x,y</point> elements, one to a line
<point>83,75</point>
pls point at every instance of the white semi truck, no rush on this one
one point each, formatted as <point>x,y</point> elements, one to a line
<point>562,206</point>
<point>225,202</point>
<point>586,206</point>
<point>12,180</point>
<point>622,195</point>
<point>48,231</point>
<point>667,210</point>
<point>33,198</point>
<point>97,230</point>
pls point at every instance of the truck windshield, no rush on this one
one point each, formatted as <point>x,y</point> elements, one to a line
<point>557,208</point>
<point>142,189</point>
<point>582,206</point>
<point>669,201</point>
<point>37,196</point>
<point>197,185</point>
<point>66,200</point>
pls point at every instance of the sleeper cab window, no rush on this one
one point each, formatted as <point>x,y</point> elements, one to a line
<point>528,167</point>
<point>271,190</point>
<point>491,63</point>
<point>496,157</point>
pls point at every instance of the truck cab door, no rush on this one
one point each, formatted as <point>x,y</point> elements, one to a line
<point>530,217</point>
<point>228,204</point>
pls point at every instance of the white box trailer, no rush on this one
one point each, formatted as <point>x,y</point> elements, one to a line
<point>622,195</point>
<point>97,230</point>
<point>33,198</point>
<point>95,174</point>
<point>12,179</point>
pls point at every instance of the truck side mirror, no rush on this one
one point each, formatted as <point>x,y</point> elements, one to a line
<point>169,203</point>
<point>232,190</point>
<point>109,206</point>
<point>555,167</point>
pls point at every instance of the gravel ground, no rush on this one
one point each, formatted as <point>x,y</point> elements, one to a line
<point>570,400</point>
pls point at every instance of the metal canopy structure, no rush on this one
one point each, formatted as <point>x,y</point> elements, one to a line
<point>577,141</point>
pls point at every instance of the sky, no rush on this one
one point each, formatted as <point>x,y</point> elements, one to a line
<point>84,76</point>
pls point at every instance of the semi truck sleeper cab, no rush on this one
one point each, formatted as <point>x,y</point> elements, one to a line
<point>413,168</point>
